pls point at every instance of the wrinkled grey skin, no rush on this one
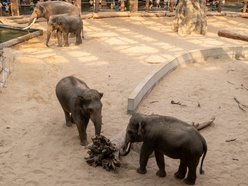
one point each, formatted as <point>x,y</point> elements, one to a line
<point>48,8</point>
<point>80,103</point>
<point>169,136</point>
<point>65,24</point>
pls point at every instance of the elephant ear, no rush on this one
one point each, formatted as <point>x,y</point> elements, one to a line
<point>141,129</point>
<point>41,8</point>
<point>59,21</point>
<point>82,100</point>
<point>100,94</point>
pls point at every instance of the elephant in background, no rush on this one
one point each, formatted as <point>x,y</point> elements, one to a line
<point>65,24</point>
<point>48,8</point>
<point>80,103</point>
<point>169,136</point>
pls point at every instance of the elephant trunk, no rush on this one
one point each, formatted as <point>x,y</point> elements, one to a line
<point>125,149</point>
<point>96,118</point>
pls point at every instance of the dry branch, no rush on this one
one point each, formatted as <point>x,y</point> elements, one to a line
<point>234,139</point>
<point>233,35</point>
<point>243,87</point>
<point>102,153</point>
<point>177,103</point>
<point>241,106</point>
<point>200,126</point>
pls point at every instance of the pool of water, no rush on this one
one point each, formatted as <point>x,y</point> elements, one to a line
<point>7,34</point>
<point>11,35</point>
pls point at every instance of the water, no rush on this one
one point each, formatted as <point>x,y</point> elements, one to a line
<point>7,34</point>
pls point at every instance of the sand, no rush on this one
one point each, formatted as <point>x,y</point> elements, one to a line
<point>36,148</point>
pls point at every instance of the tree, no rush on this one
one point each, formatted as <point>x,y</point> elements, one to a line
<point>14,5</point>
<point>190,17</point>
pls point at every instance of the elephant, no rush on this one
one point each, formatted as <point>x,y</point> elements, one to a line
<point>80,103</point>
<point>48,8</point>
<point>165,135</point>
<point>65,24</point>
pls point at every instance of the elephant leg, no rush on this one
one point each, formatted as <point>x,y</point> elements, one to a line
<point>68,119</point>
<point>145,152</point>
<point>160,162</point>
<point>49,30</point>
<point>192,165</point>
<point>59,37</point>
<point>86,121</point>
<point>80,122</point>
<point>78,39</point>
<point>72,119</point>
<point>180,174</point>
<point>66,35</point>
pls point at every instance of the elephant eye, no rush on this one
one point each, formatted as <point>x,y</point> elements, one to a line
<point>90,110</point>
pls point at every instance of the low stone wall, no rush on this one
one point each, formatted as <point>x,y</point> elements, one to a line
<point>6,65</point>
<point>146,85</point>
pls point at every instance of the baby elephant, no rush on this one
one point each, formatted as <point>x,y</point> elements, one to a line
<point>80,103</point>
<point>65,24</point>
<point>169,136</point>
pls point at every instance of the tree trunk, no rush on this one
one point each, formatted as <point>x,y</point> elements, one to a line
<point>77,3</point>
<point>96,6</point>
<point>244,6</point>
<point>122,9</point>
<point>133,5</point>
<point>190,17</point>
<point>233,35</point>
<point>14,5</point>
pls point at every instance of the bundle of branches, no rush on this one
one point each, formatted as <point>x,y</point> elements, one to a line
<point>102,153</point>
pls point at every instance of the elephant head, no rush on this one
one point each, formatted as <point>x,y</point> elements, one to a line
<point>38,12</point>
<point>89,103</point>
<point>134,132</point>
<point>54,23</point>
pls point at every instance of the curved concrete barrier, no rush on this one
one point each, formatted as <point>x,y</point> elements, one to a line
<point>146,85</point>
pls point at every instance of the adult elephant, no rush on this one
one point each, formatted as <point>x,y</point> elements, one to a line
<point>48,8</point>
<point>169,136</point>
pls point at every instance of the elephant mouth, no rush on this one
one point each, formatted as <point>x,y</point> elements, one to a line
<point>125,149</point>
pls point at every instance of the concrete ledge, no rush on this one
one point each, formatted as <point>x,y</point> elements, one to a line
<point>7,57</point>
<point>146,85</point>
<point>101,15</point>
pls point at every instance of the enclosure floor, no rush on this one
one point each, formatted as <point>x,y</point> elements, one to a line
<point>36,148</point>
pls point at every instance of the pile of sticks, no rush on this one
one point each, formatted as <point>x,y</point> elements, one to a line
<point>102,153</point>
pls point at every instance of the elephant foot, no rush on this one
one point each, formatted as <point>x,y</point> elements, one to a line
<point>59,45</point>
<point>189,181</point>
<point>78,43</point>
<point>84,143</point>
<point>66,45</point>
<point>140,171</point>
<point>179,175</point>
<point>161,173</point>
<point>47,45</point>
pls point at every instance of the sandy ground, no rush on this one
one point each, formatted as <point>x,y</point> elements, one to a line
<point>36,148</point>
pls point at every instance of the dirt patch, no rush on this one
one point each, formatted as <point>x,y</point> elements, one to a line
<point>36,148</point>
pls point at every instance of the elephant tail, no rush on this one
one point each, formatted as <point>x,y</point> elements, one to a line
<point>203,157</point>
